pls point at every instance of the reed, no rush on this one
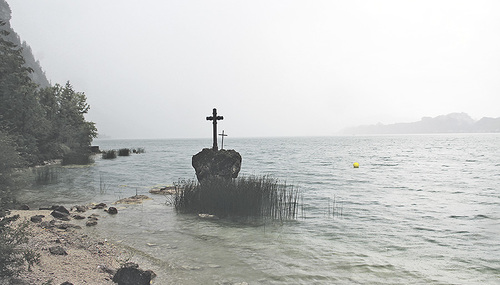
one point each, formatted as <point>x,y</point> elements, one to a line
<point>46,175</point>
<point>109,154</point>
<point>259,197</point>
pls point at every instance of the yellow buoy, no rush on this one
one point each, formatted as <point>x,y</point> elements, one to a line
<point>356,165</point>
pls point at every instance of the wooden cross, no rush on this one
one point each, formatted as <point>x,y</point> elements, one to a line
<point>214,118</point>
<point>222,135</point>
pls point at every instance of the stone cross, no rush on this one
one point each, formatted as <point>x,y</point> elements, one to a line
<point>214,118</point>
<point>222,135</point>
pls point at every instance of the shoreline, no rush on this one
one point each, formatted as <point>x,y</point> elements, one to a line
<point>89,259</point>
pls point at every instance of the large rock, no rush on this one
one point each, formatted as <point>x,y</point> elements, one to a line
<point>130,274</point>
<point>210,163</point>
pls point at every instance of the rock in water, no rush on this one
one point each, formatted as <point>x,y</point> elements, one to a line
<point>210,163</point>
<point>112,211</point>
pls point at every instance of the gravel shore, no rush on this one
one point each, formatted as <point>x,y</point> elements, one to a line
<point>88,260</point>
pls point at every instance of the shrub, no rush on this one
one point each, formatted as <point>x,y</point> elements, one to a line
<point>260,197</point>
<point>110,154</point>
<point>124,152</point>
<point>139,150</point>
<point>11,240</point>
<point>77,158</point>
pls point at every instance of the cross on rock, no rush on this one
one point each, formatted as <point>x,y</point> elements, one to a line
<point>214,118</point>
<point>222,135</point>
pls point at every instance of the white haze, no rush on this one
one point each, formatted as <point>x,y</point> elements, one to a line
<point>155,69</point>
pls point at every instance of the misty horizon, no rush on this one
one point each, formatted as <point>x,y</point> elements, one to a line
<point>272,69</point>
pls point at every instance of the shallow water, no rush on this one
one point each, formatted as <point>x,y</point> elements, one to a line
<point>421,209</point>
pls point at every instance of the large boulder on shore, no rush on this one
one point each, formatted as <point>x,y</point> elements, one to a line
<point>210,164</point>
<point>130,274</point>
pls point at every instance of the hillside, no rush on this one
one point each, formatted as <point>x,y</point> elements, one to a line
<point>38,75</point>
<point>451,123</point>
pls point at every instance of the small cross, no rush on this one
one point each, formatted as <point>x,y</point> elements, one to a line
<point>214,118</point>
<point>222,135</point>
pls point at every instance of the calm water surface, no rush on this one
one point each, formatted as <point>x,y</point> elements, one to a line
<point>422,209</point>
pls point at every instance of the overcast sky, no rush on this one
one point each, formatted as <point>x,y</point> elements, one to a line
<point>156,68</point>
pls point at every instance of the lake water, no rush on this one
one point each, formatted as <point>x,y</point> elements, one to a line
<point>420,209</point>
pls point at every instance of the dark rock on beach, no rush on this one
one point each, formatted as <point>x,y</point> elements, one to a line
<point>99,206</point>
<point>78,217</point>
<point>210,164</point>
<point>91,223</point>
<point>57,250</point>
<point>37,218</point>
<point>130,274</point>
<point>60,212</point>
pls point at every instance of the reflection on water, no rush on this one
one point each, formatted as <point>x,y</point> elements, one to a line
<point>419,210</point>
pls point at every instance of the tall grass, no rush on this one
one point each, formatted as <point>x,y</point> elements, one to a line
<point>46,175</point>
<point>259,197</point>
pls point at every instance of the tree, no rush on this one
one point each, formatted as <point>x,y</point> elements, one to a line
<point>45,123</point>
<point>19,111</point>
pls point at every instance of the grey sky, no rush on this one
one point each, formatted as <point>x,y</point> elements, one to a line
<point>155,69</point>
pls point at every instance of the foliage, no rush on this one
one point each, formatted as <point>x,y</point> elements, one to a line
<point>110,154</point>
<point>9,160</point>
<point>124,152</point>
<point>139,150</point>
<point>12,239</point>
<point>44,123</point>
<point>261,197</point>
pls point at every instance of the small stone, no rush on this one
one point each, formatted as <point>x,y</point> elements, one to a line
<point>78,217</point>
<point>60,214</point>
<point>47,225</point>
<point>62,226</point>
<point>57,250</point>
<point>61,209</point>
<point>66,283</point>
<point>112,211</point>
<point>37,218</point>
<point>99,206</point>
<point>91,223</point>
<point>24,207</point>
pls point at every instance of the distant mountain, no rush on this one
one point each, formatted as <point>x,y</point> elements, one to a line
<point>38,75</point>
<point>451,123</point>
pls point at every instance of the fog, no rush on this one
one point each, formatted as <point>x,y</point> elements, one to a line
<point>155,69</point>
